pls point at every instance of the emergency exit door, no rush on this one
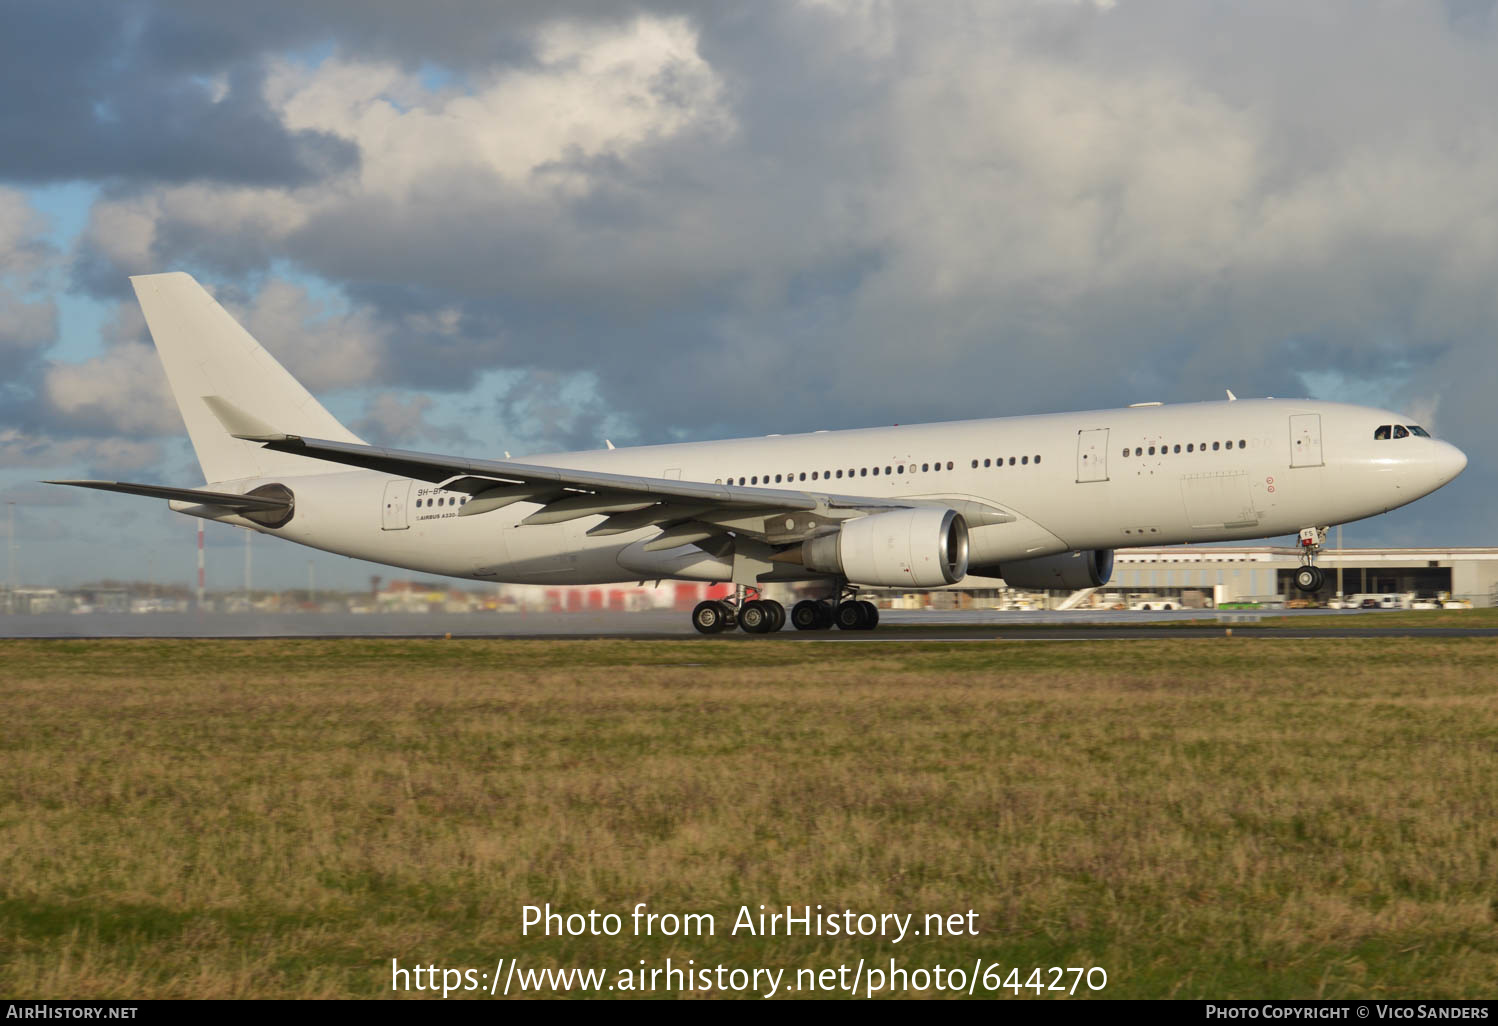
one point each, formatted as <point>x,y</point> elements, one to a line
<point>396,495</point>
<point>1305,440</point>
<point>1092,455</point>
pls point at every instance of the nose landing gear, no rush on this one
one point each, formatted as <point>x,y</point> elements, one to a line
<point>1309,578</point>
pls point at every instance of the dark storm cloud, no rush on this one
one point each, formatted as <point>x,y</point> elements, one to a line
<point>84,100</point>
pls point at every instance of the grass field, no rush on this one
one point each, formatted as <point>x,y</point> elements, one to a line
<point>1206,817</point>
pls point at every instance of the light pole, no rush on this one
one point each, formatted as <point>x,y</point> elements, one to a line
<point>10,547</point>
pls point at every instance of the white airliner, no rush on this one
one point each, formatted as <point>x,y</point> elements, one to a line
<point>1040,501</point>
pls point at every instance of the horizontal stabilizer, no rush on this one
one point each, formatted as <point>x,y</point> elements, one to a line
<point>228,500</point>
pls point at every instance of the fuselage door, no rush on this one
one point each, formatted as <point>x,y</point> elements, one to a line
<point>397,494</point>
<point>1092,455</point>
<point>1305,440</point>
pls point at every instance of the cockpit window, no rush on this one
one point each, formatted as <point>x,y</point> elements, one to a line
<point>1400,432</point>
<point>1382,434</point>
<point>1417,430</point>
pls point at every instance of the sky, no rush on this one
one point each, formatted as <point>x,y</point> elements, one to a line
<point>474,227</point>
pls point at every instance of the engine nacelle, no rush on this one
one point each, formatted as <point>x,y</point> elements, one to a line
<point>907,548</point>
<point>1069,570</point>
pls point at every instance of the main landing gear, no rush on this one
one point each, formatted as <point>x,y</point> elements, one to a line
<point>844,610</point>
<point>754,616</point>
<point>766,616</point>
<point>1310,577</point>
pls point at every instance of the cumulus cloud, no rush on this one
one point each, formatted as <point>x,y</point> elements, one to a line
<point>104,457</point>
<point>663,220</point>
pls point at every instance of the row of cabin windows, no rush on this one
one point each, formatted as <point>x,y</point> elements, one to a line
<point>889,471</point>
<point>1388,431</point>
<point>443,501</point>
<point>1140,450</point>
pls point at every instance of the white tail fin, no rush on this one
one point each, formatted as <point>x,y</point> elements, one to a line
<point>207,354</point>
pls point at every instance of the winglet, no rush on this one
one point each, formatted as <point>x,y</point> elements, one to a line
<point>241,424</point>
<point>1231,397</point>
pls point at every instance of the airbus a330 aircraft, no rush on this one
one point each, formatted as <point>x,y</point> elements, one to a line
<point>1040,501</point>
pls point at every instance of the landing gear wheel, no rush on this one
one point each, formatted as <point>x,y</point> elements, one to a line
<point>777,615</point>
<point>851,616</point>
<point>808,615</point>
<point>710,617</point>
<point>1309,579</point>
<point>756,618</point>
<point>870,615</point>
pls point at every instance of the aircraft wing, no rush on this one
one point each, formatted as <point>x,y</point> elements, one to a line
<point>688,511</point>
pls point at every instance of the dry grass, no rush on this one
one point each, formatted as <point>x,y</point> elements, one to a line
<point>1200,817</point>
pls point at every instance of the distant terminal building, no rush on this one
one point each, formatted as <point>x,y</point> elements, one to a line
<point>1257,573</point>
<point>1205,576</point>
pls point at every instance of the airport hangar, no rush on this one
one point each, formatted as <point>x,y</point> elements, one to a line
<point>1196,575</point>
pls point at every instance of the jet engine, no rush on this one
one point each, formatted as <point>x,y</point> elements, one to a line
<point>910,548</point>
<point>1089,568</point>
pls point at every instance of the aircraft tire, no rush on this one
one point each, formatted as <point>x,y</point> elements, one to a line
<point>1309,579</point>
<point>808,615</point>
<point>709,617</point>
<point>777,615</point>
<point>870,615</point>
<point>851,617</point>
<point>755,618</point>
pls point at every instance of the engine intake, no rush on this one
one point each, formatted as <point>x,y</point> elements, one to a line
<point>1090,568</point>
<point>908,548</point>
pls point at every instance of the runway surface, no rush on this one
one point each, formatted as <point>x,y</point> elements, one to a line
<point>895,625</point>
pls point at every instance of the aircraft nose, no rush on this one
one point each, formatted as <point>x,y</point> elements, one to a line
<point>1450,461</point>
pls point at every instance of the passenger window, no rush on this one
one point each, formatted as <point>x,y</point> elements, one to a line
<point>1152,450</point>
<point>777,478</point>
<point>925,467</point>
<point>901,468</point>
<point>1037,459</point>
<point>876,471</point>
<point>1138,451</point>
<point>1178,448</point>
<point>1025,460</point>
<point>1400,432</point>
<point>1419,431</point>
<point>1242,444</point>
<point>1126,453</point>
<point>949,464</point>
<point>813,475</point>
<point>839,473</point>
<point>986,462</point>
<point>1216,446</point>
<point>975,463</point>
<point>803,475</point>
<point>1230,443</point>
<point>1011,461</point>
<point>1382,434</point>
<point>864,472</point>
<point>754,480</point>
<point>886,472</point>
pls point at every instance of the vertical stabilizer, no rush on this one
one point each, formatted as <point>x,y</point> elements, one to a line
<point>207,354</point>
